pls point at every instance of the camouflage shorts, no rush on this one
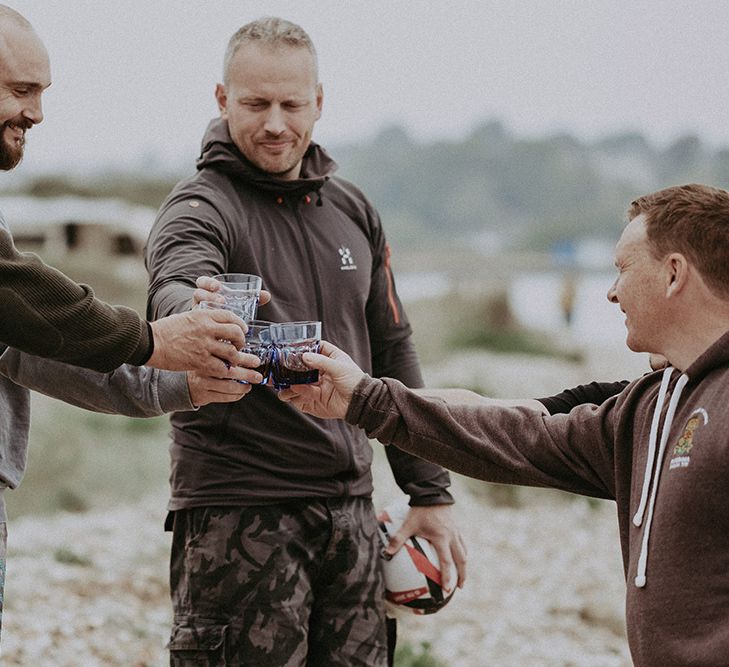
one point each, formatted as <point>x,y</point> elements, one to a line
<point>281,586</point>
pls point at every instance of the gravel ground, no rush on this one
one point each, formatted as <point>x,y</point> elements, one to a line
<point>545,588</point>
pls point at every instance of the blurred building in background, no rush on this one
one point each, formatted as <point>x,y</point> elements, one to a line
<point>68,228</point>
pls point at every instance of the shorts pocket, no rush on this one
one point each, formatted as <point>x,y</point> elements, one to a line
<point>198,645</point>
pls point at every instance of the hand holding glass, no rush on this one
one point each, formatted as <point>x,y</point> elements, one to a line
<point>254,332</point>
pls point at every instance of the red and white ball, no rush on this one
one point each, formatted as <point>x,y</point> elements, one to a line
<point>413,580</point>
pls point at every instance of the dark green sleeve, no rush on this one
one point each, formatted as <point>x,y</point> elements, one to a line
<point>45,313</point>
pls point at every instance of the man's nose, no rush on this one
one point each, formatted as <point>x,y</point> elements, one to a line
<point>34,109</point>
<point>612,296</point>
<point>275,121</point>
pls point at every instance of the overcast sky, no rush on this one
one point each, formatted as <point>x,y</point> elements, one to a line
<point>135,78</point>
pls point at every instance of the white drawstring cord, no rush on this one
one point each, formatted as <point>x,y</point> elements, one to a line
<point>638,517</point>
<point>640,577</point>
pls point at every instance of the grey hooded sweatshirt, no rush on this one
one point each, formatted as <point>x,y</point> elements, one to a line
<point>134,391</point>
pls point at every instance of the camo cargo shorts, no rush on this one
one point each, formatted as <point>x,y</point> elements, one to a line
<point>278,586</point>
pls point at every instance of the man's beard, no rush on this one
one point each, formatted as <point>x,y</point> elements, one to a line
<point>11,153</point>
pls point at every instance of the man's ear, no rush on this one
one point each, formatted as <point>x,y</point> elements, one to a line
<point>319,100</point>
<point>221,97</point>
<point>677,269</point>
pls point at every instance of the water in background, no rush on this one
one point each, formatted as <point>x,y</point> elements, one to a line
<point>535,299</point>
<point>595,328</point>
<point>416,285</point>
<point>536,302</point>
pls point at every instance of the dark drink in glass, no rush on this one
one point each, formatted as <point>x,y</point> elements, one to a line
<point>288,367</point>
<point>290,341</point>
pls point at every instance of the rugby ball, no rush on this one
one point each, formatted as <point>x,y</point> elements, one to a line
<point>413,576</point>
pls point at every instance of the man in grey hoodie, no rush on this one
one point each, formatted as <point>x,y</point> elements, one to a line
<point>660,448</point>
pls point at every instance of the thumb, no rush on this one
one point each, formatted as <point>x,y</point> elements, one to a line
<point>396,542</point>
<point>320,362</point>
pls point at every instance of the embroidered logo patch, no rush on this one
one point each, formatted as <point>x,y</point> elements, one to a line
<point>345,255</point>
<point>681,455</point>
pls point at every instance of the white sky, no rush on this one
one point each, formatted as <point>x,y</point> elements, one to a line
<point>134,78</point>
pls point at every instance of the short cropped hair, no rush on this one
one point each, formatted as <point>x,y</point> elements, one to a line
<point>694,221</point>
<point>271,31</point>
<point>8,14</point>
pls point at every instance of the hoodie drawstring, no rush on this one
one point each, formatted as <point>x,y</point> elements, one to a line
<point>638,517</point>
<point>640,577</point>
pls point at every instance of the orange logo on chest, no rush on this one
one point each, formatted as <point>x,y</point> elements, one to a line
<point>686,441</point>
<point>680,457</point>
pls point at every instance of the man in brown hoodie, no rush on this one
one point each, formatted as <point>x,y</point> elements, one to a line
<point>660,448</point>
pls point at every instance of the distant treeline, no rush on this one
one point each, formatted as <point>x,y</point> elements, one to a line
<point>532,192</point>
<point>529,193</point>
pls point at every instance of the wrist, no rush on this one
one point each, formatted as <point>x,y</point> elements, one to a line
<point>146,345</point>
<point>153,347</point>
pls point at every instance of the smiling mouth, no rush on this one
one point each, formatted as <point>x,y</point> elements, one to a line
<point>274,146</point>
<point>17,133</point>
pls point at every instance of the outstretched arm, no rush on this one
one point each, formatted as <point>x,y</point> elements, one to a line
<point>134,391</point>
<point>43,312</point>
<point>340,375</point>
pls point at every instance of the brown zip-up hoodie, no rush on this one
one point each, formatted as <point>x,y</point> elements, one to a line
<point>660,449</point>
<point>320,249</point>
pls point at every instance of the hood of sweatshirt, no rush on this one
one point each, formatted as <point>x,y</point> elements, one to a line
<point>715,356</point>
<point>220,153</point>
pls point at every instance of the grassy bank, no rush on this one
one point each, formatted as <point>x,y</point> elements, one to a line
<point>79,460</point>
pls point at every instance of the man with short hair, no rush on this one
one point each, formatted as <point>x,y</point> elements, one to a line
<point>659,448</point>
<point>45,313</point>
<point>275,554</point>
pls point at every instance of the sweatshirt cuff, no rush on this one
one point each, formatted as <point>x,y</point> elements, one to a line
<point>437,497</point>
<point>358,403</point>
<point>145,346</point>
<point>173,392</point>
